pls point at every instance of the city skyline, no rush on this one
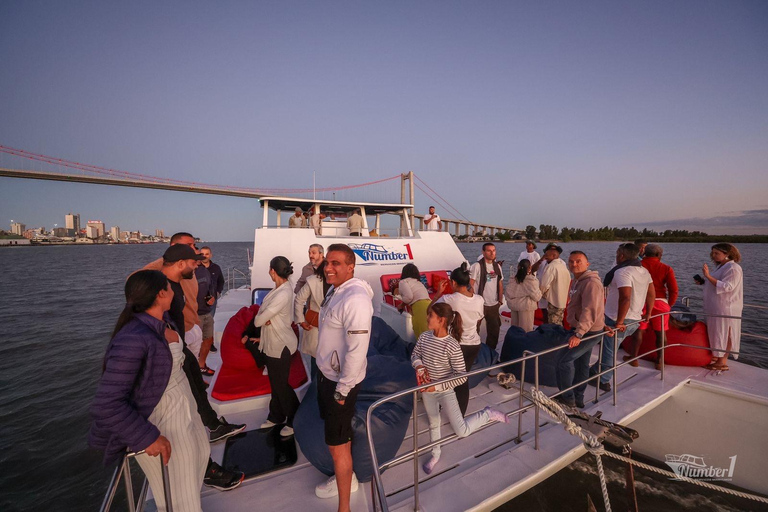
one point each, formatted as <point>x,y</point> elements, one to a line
<point>579,115</point>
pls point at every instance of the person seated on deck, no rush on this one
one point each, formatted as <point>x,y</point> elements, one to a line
<point>437,356</point>
<point>413,293</point>
<point>144,401</point>
<point>277,344</point>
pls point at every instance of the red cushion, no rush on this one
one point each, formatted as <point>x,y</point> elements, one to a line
<point>678,356</point>
<point>239,377</point>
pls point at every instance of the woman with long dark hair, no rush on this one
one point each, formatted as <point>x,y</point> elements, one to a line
<point>523,295</point>
<point>723,295</point>
<point>471,307</point>
<point>278,343</point>
<point>413,293</point>
<point>144,402</point>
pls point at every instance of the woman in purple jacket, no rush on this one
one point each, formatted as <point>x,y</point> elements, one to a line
<point>144,402</point>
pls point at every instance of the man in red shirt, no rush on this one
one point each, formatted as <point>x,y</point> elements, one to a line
<point>666,294</point>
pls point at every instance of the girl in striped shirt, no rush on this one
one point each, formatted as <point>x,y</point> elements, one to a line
<point>437,356</point>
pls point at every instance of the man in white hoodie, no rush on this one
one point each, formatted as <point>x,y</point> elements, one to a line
<point>345,332</point>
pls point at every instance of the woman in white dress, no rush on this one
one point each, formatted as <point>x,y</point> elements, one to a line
<point>278,343</point>
<point>144,402</point>
<point>723,295</point>
<point>523,295</point>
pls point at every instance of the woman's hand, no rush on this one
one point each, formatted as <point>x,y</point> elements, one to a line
<point>705,270</point>
<point>442,286</point>
<point>269,322</point>
<point>161,446</point>
<point>305,325</point>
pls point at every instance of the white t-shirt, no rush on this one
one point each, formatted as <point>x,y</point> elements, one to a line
<point>636,277</point>
<point>432,222</point>
<point>533,257</point>
<point>491,290</point>
<point>539,275</point>
<point>471,310</point>
<point>412,290</point>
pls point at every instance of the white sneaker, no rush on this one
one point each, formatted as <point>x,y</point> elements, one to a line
<point>328,489</point>
<point>286,431</point>
<point>267,424</point>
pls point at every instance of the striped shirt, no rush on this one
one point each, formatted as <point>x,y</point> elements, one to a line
<point>442,357</point>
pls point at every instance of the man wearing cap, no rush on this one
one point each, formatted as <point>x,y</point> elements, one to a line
<point>553,282</point>
<point>432,221</point>
<point>178,265</point>
<point>529,253</point>
<point>297,220</point>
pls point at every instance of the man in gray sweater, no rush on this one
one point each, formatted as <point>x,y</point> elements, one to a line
<point>585,316</point>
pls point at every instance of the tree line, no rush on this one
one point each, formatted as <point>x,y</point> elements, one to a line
<point>566,234</point>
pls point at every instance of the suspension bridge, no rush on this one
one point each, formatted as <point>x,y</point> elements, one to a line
<point>59,169</point>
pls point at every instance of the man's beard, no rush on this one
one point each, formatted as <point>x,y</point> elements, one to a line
<point>188,274</point>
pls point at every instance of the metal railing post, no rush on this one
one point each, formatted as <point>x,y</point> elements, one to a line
<point>166,485</point>
<point>520,403</point>
<point>663,347</point>
<point>129,488</point>
<point>536,411</point>
<point>415,451</point>
<point>615,363</point>
<point>599,368</point>
<point>112,489</point>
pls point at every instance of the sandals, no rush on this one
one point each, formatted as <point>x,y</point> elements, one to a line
<point>207,371</point>
<point>717,367</point>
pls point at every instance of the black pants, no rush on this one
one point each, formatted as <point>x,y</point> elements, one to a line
<point>462,390</point>
<point>492,325</point>
<point>284,402</point>
<point>192,369</point>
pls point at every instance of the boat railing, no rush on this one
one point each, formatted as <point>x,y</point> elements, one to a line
<point>236,278</point>
<point>123,474</point>
<point>378,492</point>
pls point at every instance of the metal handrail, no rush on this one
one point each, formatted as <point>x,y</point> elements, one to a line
<point>687,300</point>
<point>123,470</point>
<point>235,276</point>
<point>377,484</point>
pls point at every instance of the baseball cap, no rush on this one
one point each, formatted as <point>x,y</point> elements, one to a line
<point>181,252</point>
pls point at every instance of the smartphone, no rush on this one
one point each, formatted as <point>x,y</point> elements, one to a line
<point>698,279</point>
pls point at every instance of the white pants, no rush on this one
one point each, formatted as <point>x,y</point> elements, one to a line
<point>177,419</point>
<point>461,425</point>
<point>194,340</point>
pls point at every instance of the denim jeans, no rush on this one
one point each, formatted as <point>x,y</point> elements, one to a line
<point>573,366</point>
<point>461,425</point>
<point>612,343</point>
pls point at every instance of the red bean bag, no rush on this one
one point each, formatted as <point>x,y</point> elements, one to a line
<point>678,356</point>
<point>239,377</point>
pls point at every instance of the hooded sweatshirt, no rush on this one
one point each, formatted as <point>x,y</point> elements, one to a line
<point>345,332</point>
<point>586,308</point>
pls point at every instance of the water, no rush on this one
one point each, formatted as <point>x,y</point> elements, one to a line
<point>60,304</point>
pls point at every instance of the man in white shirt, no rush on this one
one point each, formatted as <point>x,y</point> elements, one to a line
<point>355,224</point>
<point>554,280</point>
<point>487,280</point>
<point>297,220</point>
<point>630,287</point>
<point>432,221</point>
<point>345,332</point>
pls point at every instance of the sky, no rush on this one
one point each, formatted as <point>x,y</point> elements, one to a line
<point>579,114</point>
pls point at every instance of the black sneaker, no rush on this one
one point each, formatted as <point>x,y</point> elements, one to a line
<point>604,386</point>
<point>214,349</point>
<point>569,403</point>
<point>222,479</point>
<point>580,403</point>
<point>225,430</point>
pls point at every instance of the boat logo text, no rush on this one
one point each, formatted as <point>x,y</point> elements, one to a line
<point>373,253</point>
<point>692,466</point>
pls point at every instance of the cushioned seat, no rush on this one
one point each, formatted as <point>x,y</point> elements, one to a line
<point>239,377</point>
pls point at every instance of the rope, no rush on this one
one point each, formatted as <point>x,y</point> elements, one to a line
<point>595,447</point>
<point>441,197</point>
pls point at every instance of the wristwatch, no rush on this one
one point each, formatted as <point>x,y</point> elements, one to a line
<point>339,397</point>
<point>578,335</point>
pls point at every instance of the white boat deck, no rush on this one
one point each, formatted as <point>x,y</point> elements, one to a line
<point>489,468</point>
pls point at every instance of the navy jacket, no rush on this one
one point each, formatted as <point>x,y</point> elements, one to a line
<point>138,366</point>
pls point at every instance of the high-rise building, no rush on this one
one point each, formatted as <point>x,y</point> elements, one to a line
<point>99,226</point>
<point>73,222</point>
<point>114,232</point>
<point>17,228</point>
<point>159,233</point>
<point>91,231</point>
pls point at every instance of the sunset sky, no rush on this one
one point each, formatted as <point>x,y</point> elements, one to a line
<point>652,114</point>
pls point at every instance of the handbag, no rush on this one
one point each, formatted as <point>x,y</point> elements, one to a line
<point>312,317</point>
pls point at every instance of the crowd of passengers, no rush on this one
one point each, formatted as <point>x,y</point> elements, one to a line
<point>152,398</point>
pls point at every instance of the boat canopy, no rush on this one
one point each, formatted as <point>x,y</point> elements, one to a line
<point>291,203</point>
